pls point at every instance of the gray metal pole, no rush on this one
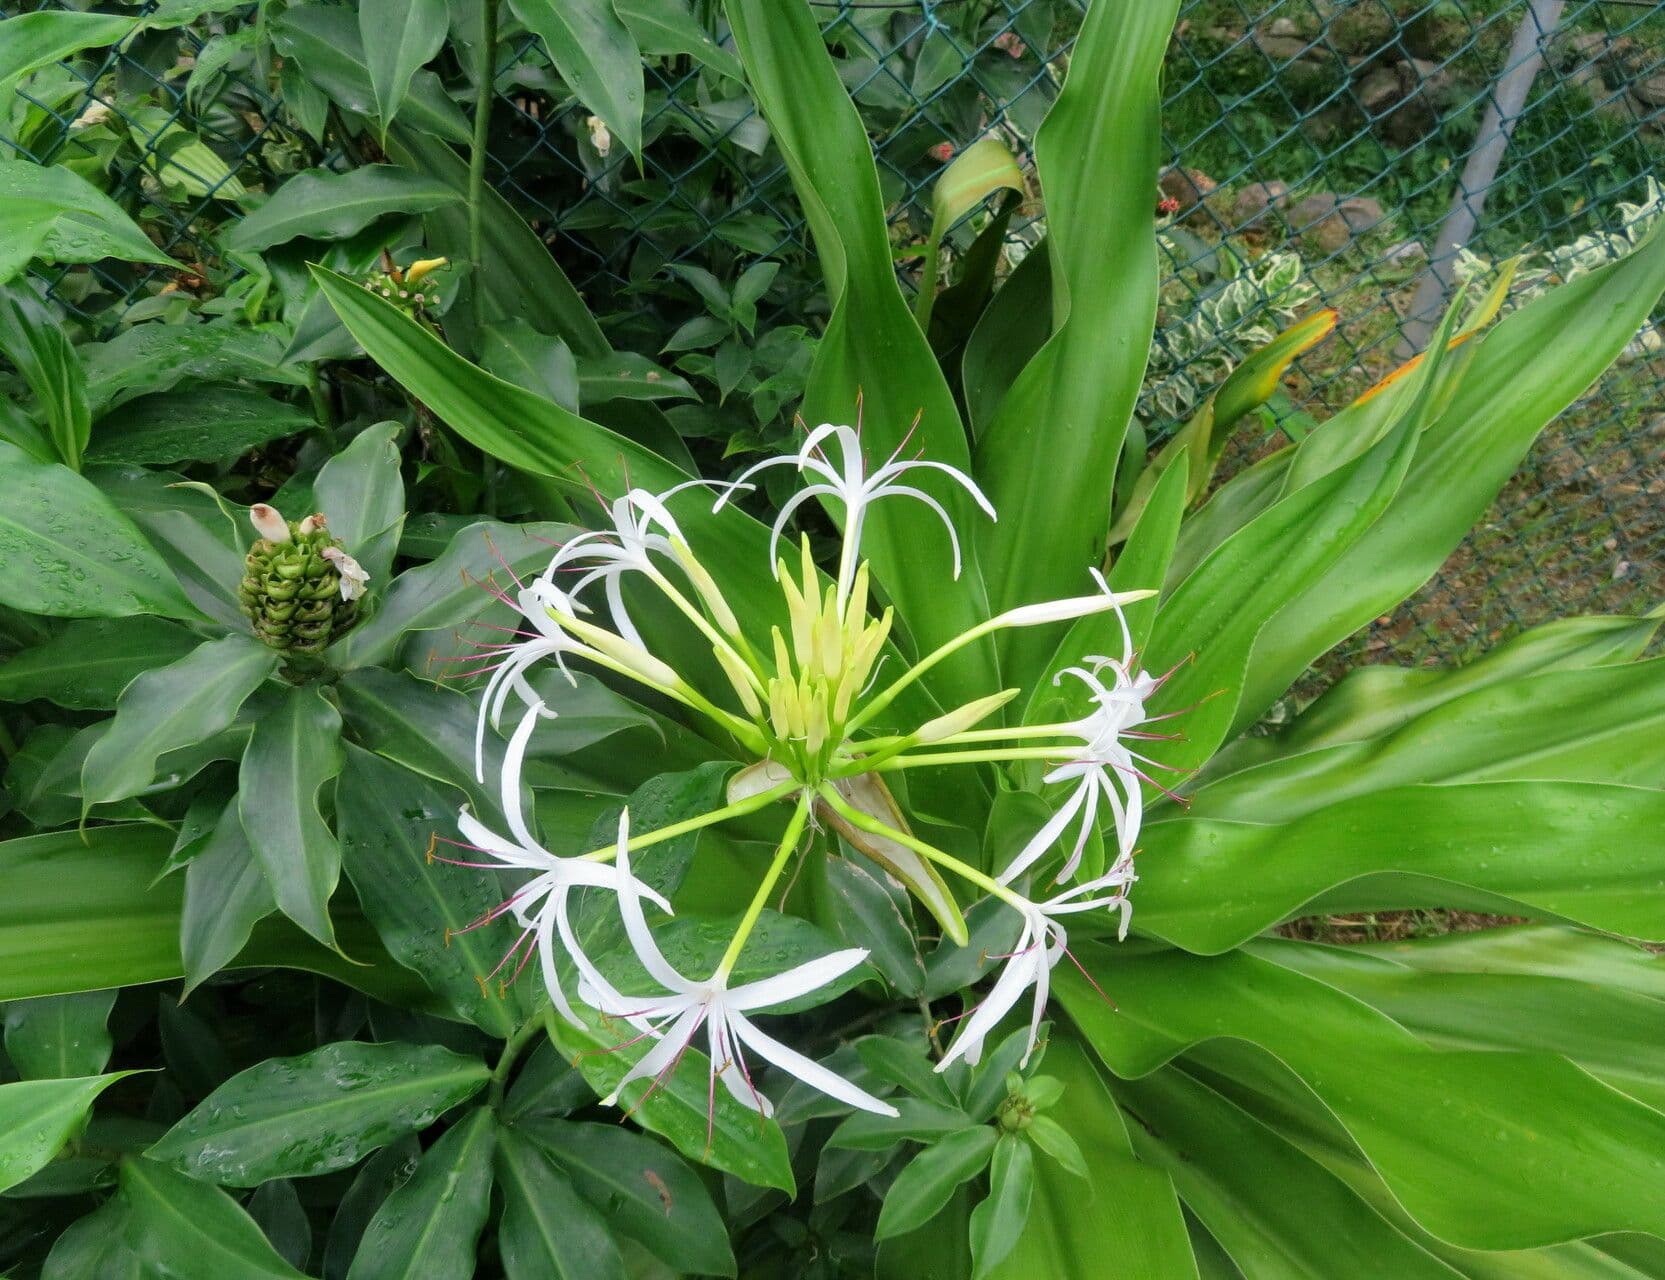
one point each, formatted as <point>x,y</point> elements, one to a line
<point>1526,59</point>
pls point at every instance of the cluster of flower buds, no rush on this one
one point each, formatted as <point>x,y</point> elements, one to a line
<point>402,286</point>
<point>800,709</point>
<point>300,588</point>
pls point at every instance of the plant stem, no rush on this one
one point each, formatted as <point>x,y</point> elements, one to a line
<point>739,809</point>
<point>483,94</point>
<point>788,846</point>
<point>1057,751</point>
<point>512,1050</point>
<point>321,407</point>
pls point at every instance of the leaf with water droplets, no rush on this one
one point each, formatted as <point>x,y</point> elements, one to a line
<point>325,1110</point>
<point>56,1037</point>
<point>187,1230</point>
<point>37,1117</point>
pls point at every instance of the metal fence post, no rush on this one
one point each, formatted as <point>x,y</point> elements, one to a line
<point>1526,59</point>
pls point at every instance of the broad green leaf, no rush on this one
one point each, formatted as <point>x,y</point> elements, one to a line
<point>596,55</point>
<point>34,40</point>
<point>644,1190</point>
<point>548,1232</point>
<point>189,531</point>
<point>1275,1211</point>
<point>187,1230</point>
<point>56,1037</point>
<point>324,41</point>
<point>928,1181</point>
<point>322,205</point>
<point>294,752</point>
<point>389,819</point>
<point>997,1222</point>
<point>1502,1170</point>
<point>871,351</point>
<point>276,1209</point>
<point>88,662</point>
<point>940,1250</point>
<point>429,1227</point>
<point>400,37</point>
<point>226,895</point>
<point>1601,724</point>
<point>33,340</point>
<point>624,375</point>
<point>1372,701</point>
<point>1049,455</point>
<point>712,1129</point>
<point>1550,951</point>
<point>93,1248</point>
<point>158,357</point>
<point>362,496</point>
<point>666,28</point>
<point>324,1110</point>
<point>978,172</point>
<point>870,914</point>
<point>85,911</point>
<point>918,1121</point>
<point>54,214</point>
<point>516,352</point>
<point>171,707</point>
<point>450,591</point>
<point>37,1117</point>
<point>1216,613</point>
<point>65,551</point>
<point>178,158</point>
<point>1519,377</point>
<point>204,424</point>
<point>1210,885</point>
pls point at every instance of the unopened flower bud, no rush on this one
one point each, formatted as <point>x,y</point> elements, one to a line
<point>300,588</point>
<point>268,523</point>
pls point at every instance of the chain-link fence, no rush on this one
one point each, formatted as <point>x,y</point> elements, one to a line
<point>1316,149</point>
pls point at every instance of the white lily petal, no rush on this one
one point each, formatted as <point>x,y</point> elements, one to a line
<point>514,758</point>
<point>1068,609</point>
<point>806,1069</point>
<point>795,982</point>
<point>1008,988</point>
<point>657,1060</point>
<point>635,922</point>
<point>908,491</point>
<point>1046,837</point>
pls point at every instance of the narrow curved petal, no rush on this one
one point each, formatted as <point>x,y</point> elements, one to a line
<point>1047,836</point>
<point>635,922</point>
<point>959,477</point>
<point>908,491</point>
<point>795,982</point>
<point>659,1059</point>
<point>514,758</point>
<point>809,1071</point>
<point>1014,980</point>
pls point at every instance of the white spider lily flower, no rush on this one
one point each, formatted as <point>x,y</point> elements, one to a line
<point>540,905</point>
<point>851,484</point>
<point>1041,943</point>
<point>686,1005</point>
<point>546,640</point>
<point>351,572</point>
<point>642,525</point>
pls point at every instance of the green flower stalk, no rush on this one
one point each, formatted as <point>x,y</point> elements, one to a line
<point>300,588</point>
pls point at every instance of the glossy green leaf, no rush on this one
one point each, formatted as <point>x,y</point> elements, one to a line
<point>595,53</point>
<point>324,41</point>
<point>999,1219</point>
<point>928,1180</point>
<point>666,28</point>
<point>548,1232</point>
<point>322,205</point>
<point>516,352</point>
<point>1501,1170</point>
<point>178,158</point>
<point>978,172</point>
<point>870,914</point>
<point>642,1189</point>
<point>226,895</point>
<point>93,1248</point>
<point>709,1128</point>
<point>87,663</point>
<point>187,1230</point>
<point>1602,724</point>
<point>33,340</point>
<point>400,37</point>
<point>362,495</point>
<point>624,375</point>
<point>158,357</point>
<point>52,212</point>
<point>37,1117</point>
<point>56,1037</point>
<point>294,752</point>
<point>324,1110</point>
<point>66,552</point>
<point>172,707</point>
<point>389,818</point>
<point>1210,885</point>
<point>34,40</point>
<point>429,1227</point>
<point>871,350</point>
<point>1049,455</point>
<point>1372,701</point>
<point>1521,375</point>
<point>1271,1208</point>
<point>918,1121</point>
<point>205,424</point>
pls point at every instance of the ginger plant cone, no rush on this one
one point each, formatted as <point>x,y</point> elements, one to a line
<point>300,589</point>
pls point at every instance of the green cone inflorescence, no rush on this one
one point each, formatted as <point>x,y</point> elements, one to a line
<point>300,588</point>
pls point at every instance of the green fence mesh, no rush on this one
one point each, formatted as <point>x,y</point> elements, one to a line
<point>1314,150</point>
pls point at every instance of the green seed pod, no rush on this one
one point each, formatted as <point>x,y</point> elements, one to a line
<point>300,589</point>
